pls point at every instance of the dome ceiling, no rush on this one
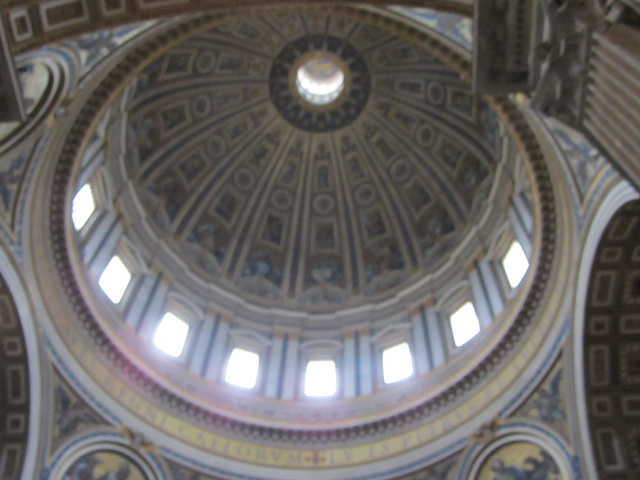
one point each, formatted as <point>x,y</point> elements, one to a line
<point>296,205</point>
<point>244,204</point>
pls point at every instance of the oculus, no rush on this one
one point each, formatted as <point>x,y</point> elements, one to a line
<point>320,80</point>
<point>319,83</point>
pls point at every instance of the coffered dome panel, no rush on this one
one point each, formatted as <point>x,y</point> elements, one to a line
<point>294,205</point>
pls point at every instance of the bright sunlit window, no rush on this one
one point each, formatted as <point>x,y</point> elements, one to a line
<point>320,378</point>
<point>464,324</point>
<point>320,80</point>
<point>242,368</point>
<point>515,264</point>
<point>115,279</point>
<point>82,206</point>
<point>171,334</point>
<point>396,363</point>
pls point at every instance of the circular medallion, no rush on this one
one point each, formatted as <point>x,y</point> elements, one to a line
<point>282,199</point>
<point>401,171</point>
<point>201,106</point>
<point>323,204</point>
<point>216,146</point>
<point>365,194</point>
<point>244,179</point>
<point>205,62</point>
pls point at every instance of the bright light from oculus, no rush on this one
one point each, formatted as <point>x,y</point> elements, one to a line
<point>396,363</point>
<point>320,378</point>
<point>171,334</point>
<point>464,324</point>
<point>114,279</point>
<point>242,368</point>
<point>82,207</point>
<point>515,264</point>
<point>320,80</point>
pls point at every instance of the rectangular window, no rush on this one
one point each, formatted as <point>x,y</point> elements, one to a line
<point>242,368</point>
<point>515,264</point>
<point>396,363</point>
<point>320,379</point>
<point>82,207</point>
<point>171,334</point>
<point>115,279</point>
<point>464,324</point>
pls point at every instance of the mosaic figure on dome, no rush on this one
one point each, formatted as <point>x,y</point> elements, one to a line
<point>173,117</point>
<point>192,167</point>
<point>148,77</point>
<point>288,172</point>
<point>536,469</point>
<point>229,63</point>
<point>95,46</point>
<point>374,225</point>
<point>9,180</point>
<point>257,157</point>
<point>387,259</point>
<point>324,284</point>
<point>169,193</point>
<point>103,465</point>
<point>585,160</point>
<point>322,178</point>
<point>354,168</point>
<point>325,271</point>
<point>418,197</point>
<point>462,102</point>
<point>470,174</point>
<point>273,229</point>
<point>205,236</point>
<point>226,206</point>
<point>407,121</point>
<point>177,63</point>
<point>260,264</point>
<point>144,135</point>
<point>324,237</point>
<point>449,154</point>
<point>384,268</point>
<point>520,460</point>
<point>509,472</point>
<point>548,401</point>
<point>437,225</point>
<point>489,122</point>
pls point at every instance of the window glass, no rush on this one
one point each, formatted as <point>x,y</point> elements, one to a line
<point>515,264</point>
<point>242,368</point>
<point>82,206</point>
<point>171,334</point>
<point>464,324</point>
<point>320,378</point>
<point>396,363</point>
<point>115,279</point>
